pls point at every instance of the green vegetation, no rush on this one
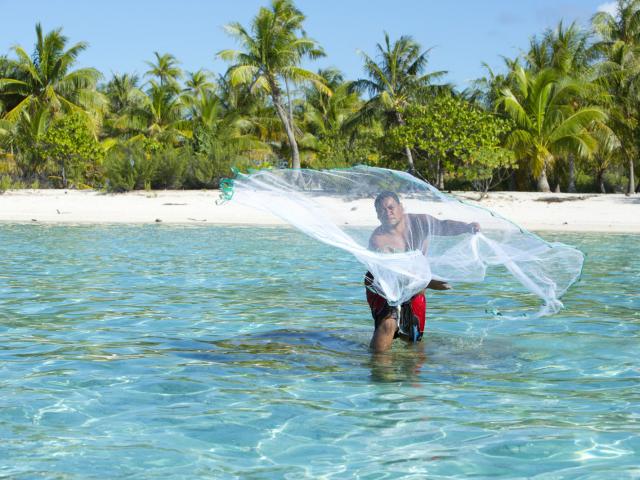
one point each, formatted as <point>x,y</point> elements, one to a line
<point>453,136</point>
<point>562,115</point>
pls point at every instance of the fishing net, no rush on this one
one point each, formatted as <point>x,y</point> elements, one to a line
<point>406,232</point>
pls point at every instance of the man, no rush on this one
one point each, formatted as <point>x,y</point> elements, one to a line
<point>400,232</point>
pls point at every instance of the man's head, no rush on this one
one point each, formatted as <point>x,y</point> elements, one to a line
<point>389,209</point>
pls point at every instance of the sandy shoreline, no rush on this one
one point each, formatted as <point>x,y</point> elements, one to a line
<point>614,213</point>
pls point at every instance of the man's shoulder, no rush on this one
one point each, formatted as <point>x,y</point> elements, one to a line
<point>377,231</point>
<point>377,235</point>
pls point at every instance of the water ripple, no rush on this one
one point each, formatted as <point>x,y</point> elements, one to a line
<point>182,352</point>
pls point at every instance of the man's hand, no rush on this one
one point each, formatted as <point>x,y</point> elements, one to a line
<point>474,227</point>
<point>438,285</point>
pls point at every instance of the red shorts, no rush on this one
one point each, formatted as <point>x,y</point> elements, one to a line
<point>412,313</point>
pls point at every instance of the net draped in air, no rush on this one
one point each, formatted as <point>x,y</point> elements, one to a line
<point>438,240</point>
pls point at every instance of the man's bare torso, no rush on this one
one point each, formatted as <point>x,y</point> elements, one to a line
<point>409,235</point>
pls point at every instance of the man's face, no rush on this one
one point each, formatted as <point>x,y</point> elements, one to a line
<point>390,212</point>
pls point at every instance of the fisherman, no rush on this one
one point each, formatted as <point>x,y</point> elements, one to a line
<point>402,232</point>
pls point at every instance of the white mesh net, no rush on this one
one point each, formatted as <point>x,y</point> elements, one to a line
<point>413,234</point>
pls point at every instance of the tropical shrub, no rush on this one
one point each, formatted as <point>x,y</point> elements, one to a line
<point>129,166</point>
<point>5,183</point>
<point>452,135</point>
<point>120,168</point>
<point>170,167</point>
<point>72,153</point>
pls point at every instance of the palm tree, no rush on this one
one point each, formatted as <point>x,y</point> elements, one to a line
<point>5,71</point>
<point>326,114</point>
<point>569,50</point>
<point>214,126</point>
<point>197,82</point>
<point>393,82</point>
<point>28,136</point>
<point>162,112</point>
<point>566,51</point>
<point>487,91</point>
<point>123,92</point>
<point>125,99</point>
<point>254,108</point>
<point>547,123</point>
<point>45,79</point>
<point>271,55</point>
<point>607,150</point>
<point>619,46</point>
<point>165,69</point>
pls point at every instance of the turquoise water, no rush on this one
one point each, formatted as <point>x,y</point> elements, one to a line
<point>229,352</point>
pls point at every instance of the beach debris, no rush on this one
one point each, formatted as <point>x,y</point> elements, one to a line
<point>158,220</point>
<point>571,198</point>
<point>197,219</point>
<point>175,204</point>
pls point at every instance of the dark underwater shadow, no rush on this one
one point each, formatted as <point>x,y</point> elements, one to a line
<point>345,356</point>
<point>282,351</point>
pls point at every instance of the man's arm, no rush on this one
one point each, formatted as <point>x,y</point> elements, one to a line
<point>446,227</point>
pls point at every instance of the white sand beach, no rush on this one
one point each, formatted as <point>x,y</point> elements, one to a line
<point>614,213</point>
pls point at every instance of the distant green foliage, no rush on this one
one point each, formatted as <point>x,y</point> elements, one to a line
<point>132,166</point>
<point>72,152</point>
<point>170,167</point>
<point>123,167</point>
<point>206,170</point>
<point>572,101</point>
<point>460,138</point>
<point>5,183</point>
<point>129,167</point>
<point>339,151</point>
<point>45,78</point>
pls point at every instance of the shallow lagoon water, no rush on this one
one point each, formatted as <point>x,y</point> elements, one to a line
<point>231,352</point>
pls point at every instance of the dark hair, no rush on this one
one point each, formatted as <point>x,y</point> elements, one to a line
<point>381,197</point>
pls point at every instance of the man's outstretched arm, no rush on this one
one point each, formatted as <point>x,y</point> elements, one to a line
<point>447,227</point>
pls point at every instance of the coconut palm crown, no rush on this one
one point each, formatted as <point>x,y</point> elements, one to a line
<point>46,79</point>
<point>271,53</point>
<point>396,79</point>
<point>547,123</point>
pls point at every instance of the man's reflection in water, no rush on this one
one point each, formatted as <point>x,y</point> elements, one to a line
<point>403,364</point>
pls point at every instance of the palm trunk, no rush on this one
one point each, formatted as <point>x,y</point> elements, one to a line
<point>288,127</point>
<point>409,155</point>
<point>572,174</point>
<point>439,175</point>
<point>513,185</point>
<point>600,181</point>
<point>407,150</point>
<point>632,180</point>
<point>543,183</point>
<point>290,106</point>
